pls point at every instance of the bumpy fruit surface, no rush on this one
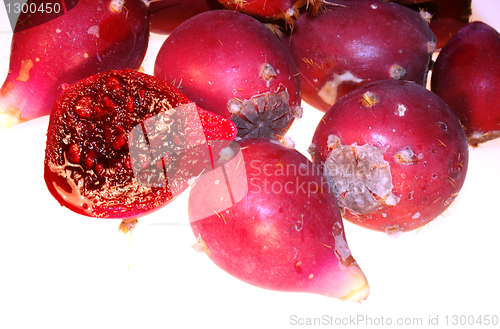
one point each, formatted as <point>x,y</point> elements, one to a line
<point>267,216</point>
<point>395,155</point>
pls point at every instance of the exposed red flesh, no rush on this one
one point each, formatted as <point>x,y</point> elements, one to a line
<point>115,147</point>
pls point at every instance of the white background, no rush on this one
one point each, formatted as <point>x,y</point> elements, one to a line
<point>62,270</point>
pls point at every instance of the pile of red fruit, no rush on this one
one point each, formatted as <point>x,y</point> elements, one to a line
<point>388,154</point>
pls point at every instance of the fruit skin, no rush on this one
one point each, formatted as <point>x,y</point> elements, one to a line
<point>166,15</point>
<point>287,10</point>
<point>423,148</point>
<point>448,16</point>
<point>260,8</point>
<point>444,29</point>
<point>247,76</point>
<point>466,76</point>
<point>284,232</point>
<point>355,42</point>
<point>92,37</point>
<point>89,167</point>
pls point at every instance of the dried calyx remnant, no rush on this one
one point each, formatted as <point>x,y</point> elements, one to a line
<point>360,177</point>
<point>477,138</point>
<point>268,115</point>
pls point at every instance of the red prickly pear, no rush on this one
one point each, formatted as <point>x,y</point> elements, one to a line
<point>94,36</point>
<point>356,42</point>
<point>267,216</point>
<point>395,154</point>
<point>104,160</point>
<point>166,15</point>
<point>248,76</point>
<point>466,76</point>
<point>287,10</point>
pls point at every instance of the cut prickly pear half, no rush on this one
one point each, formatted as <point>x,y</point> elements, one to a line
<point>267,216</point>
<point>122,144</point>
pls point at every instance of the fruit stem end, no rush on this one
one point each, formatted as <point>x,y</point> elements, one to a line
<point>127,225</point>
<point>10,117</point>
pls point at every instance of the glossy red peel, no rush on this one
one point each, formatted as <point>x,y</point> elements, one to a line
<point>466,76</point>
<point>395,155</point>
<point>446,16</point>
<point>286,10</point>
<point>94,36</point>
<point>166,15</point>
<point>266,216</point>
<point>355,42</point>
<point>248,77</point>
